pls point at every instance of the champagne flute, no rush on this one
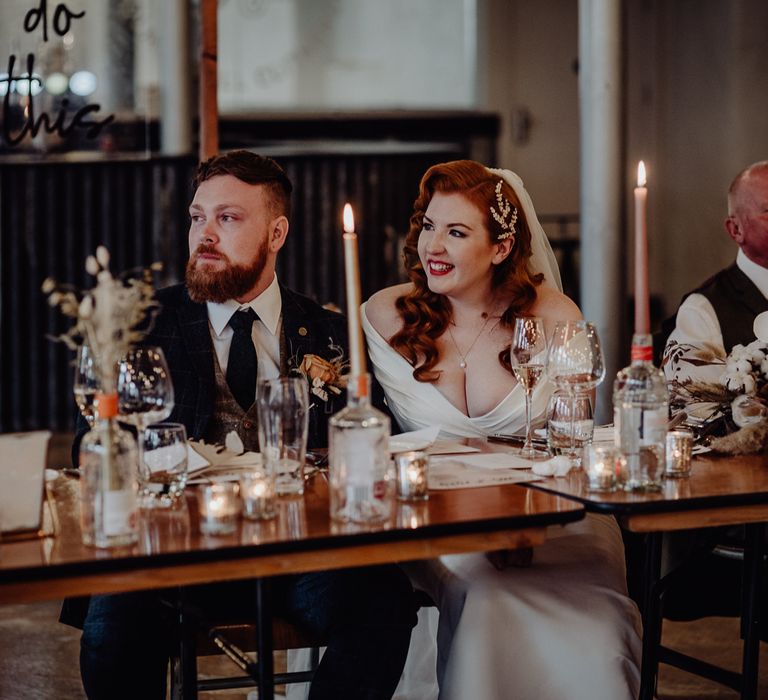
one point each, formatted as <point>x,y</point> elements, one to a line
<point>527,355</point>
<point>575,363</point>
<point>86,384</point>
<point>144,394</point>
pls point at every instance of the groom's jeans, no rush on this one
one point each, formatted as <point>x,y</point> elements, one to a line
<point>365,614</point>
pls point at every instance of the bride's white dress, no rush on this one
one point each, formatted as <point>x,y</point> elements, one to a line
<point>563,628</point>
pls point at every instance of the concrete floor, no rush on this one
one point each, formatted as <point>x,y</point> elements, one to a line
<point>39,657</point>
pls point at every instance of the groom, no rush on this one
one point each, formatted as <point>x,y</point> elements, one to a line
<point>230,323</point>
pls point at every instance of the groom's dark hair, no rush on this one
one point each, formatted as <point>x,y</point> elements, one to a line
<point>253,170</point>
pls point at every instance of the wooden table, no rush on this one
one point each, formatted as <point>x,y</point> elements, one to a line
<point>720,491</point>
<point>172,552</point>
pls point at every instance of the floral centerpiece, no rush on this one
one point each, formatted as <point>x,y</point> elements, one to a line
<point>733,407</point>
<point>110,318</point>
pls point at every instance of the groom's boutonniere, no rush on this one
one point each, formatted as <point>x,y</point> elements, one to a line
<point>324,375</point>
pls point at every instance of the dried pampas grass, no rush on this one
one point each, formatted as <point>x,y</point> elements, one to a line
<point>749,440</point>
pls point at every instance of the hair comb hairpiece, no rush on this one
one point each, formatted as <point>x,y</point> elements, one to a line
<point>506,215</point>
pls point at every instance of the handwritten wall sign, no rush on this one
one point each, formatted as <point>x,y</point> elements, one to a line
<point>61,20</point>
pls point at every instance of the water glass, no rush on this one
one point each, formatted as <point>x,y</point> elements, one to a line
<point>679,448</point>
<point>563,409</point>
<point>283,408</point>
<point>163,473</point>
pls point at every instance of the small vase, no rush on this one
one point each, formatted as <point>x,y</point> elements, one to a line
<point>109,509</point>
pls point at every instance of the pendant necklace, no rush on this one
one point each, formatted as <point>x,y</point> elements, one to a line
<point>463,361</point>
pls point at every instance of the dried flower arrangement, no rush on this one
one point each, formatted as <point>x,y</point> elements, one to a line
<point>111,317</point>
<point>323,375</point>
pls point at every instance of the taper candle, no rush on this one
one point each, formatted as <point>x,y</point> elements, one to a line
<point>352,279</point>
<point>642,308</point>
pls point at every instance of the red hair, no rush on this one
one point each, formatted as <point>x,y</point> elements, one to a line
<point>426,314</point>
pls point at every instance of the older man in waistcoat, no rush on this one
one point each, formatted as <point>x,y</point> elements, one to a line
<point>231,323</point>
<point>719,314</point>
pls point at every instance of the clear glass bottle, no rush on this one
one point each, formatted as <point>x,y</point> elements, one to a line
<point>109,508</point>
<point>360,471</point>
<point>640,417</point>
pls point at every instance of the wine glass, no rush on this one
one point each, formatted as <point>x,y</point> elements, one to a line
<point>86,384</point>
<point>575,363</point>
<point>527,355</point>
<point>144,393</point>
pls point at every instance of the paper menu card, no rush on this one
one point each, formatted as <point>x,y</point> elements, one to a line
<point>23,457</point>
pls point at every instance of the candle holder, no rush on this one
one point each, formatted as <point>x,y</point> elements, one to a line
<point>679,448</point>
<point>257,491</point>
<point>219,508</point>
<point>600,464</point>
<point>411,470</point>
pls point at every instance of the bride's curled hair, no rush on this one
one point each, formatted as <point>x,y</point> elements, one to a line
<point>425,314</point>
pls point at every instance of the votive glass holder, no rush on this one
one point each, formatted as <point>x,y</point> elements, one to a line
<point>600,463</point>
<point>679,449</point>
<point>257,491</point>
<point>219,507</point>
<point>411,471</point>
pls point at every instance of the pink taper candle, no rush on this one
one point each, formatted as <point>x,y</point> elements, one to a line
<point>352,279</point>
<point>642,308</point>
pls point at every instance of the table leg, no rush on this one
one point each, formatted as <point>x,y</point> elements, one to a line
<point>750,616</point>
<point>264,639</point>
<point>651,616</point>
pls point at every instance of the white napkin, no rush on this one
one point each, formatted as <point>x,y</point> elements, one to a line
<point>557,466</point>
<point>413,440</point>
<point>215,461</point>
<point>22,469</point>
<point>494,460</point>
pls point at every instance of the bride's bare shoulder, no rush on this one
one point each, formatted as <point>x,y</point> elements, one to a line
<point>552,305</point>
<point>381,312</point>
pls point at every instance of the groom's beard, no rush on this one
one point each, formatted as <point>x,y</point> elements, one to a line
<point>229,283</point>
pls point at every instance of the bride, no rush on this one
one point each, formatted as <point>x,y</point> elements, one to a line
<point>564,627</point>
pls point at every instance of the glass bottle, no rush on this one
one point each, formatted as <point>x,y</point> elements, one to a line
<point>108,485</point>
<point>640,417</point>
<point>360,471</point>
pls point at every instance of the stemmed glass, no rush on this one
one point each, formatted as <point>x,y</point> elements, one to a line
<point>144,393</point>
<point>86,384</point>
<point>527,355</point>
<point>575,364</point>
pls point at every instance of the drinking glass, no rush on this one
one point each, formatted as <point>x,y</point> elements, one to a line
<point>86,384</point>
<point>528,355</point>
<point>575,363</point>
<point>562,409</point>
<point>283,407</point>
<point>144,392</point>
<point>165,463</point>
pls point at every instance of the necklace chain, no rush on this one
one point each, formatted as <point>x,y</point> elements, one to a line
<point>464,356</point>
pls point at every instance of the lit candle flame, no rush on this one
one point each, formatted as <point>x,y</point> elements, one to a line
<point>349,219</point>
<point>641,174</point>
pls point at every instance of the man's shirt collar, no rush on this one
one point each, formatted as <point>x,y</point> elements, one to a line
<point>268,306</point>
<point>757,274</point>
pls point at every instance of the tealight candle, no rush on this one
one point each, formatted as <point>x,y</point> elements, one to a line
<point>219,508</point>
<point>257,490</point>
<point>679,447</point>
<point>411,469</point>
<point>600,467</point>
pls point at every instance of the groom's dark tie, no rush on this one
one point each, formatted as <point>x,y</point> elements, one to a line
<point>241,366</point>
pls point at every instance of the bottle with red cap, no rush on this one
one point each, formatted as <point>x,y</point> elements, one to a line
<point>640,417</point>
<point>108,461</point>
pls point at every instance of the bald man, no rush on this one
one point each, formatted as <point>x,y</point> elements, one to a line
<point>719,314</point>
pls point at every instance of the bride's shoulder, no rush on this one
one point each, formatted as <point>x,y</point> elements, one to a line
<point>553,305</point>
<point>381,311</point>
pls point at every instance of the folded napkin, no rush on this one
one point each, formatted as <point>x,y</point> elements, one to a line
<point>219,462</point>
<point>426,439</point>
<point>556,466</point>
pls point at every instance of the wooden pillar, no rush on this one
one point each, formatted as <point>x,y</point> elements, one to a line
<point>209,108</point>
